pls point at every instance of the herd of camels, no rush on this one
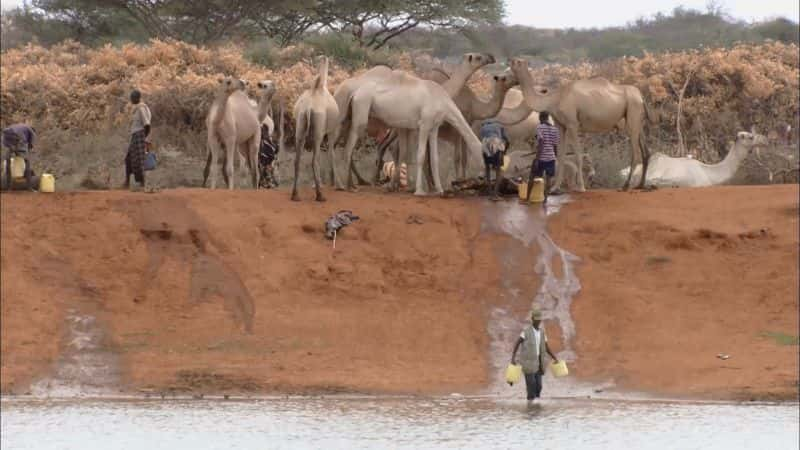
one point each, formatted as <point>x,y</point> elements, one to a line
<point>421,111</point>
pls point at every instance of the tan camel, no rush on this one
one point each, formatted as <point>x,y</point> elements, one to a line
<point>232,122</point>
<point>473,108</point>
<point>314,112</point>
<point>266,91</point>
<point>470,63</point>
<point>407,103</point>
<point>595,106</point>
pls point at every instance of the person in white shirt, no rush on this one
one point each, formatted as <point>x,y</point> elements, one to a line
<point>533,341</point>
<point>140,130</point>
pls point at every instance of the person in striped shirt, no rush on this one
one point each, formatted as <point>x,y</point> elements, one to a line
<point>547,141</point>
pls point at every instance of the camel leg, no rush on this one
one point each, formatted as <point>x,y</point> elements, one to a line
<point>207,169</point>
<point>333,138</point>
<point>422,141</point>
<point>215,151</point>
<point>433,152</point>
<point>299,146</point>
<point>402,143</point>
<point>358,123</point>
<point>462,148</point>
<point>570,139</point>
<point>457,159</point>
<point>230,150</point>
<point>318,126</point>
<point>255,174</point>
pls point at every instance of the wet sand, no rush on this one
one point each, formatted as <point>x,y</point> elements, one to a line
<point>215,292</point>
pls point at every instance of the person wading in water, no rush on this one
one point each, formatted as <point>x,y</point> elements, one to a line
<point>140,129</point>
<point>533,341</point>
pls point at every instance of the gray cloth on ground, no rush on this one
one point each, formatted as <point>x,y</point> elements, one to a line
<point>338,221</point>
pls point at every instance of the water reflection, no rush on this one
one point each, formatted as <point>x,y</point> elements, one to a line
<point>394,423</point>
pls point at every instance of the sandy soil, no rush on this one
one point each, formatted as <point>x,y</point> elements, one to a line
<point>674,277</point>
<point>239,292</point>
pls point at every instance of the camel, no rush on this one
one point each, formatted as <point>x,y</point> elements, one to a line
<point>470,63</point>
<point>266,90</point>
<point>595,105</point>
<point>406,103</point>
<point>666,171</point>
<point>232,122</point>
<point>315,112</point>
<point>473,108</point>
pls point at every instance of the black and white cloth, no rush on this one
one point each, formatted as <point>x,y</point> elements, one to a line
<point>338,221</point>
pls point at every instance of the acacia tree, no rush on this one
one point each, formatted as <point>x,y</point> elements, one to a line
<point>374,23</point>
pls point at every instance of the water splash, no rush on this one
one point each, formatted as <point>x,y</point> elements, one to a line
<point>86,367</point>
<point>527,224</point>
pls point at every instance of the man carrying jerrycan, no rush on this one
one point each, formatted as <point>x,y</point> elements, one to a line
<point>533,341</point>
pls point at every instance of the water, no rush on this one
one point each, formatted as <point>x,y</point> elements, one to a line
<point>528,225</point>
<point>416,423</point>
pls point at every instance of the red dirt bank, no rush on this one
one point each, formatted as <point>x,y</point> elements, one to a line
<point>220,291</point>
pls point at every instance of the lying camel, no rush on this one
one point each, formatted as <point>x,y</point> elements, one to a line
<point>232,122</point>
<point>594,106</point>
<point>315,112</point>
<point>407,103</point>
<point>666,171</point>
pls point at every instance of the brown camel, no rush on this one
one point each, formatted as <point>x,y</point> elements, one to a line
<point>232,122</point>
<point>407,103</point>
<point>315,112</point>
<point>595,106</point>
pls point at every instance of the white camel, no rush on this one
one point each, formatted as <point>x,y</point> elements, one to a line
<point>406,103</point>
<point>315,113</point>
<point>232,122</point>
<point>666,171</point>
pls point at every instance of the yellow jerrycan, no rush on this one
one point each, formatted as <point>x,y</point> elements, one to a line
<point>513,373</point>
<point>47,183</point>
<point>559,369</point>
<point>17,167</point>
<point>537,193</point>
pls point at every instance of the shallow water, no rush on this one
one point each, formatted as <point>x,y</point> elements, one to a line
<point>394,423</point>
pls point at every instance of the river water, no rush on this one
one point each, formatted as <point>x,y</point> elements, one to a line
<point>334,423</point>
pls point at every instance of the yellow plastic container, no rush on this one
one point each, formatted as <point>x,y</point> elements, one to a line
<point>537,193</point>
<point>17,167</point>
<point>47,183</point>
<point>513,373</point>
<point>559,369</point>
<point>506,162</point>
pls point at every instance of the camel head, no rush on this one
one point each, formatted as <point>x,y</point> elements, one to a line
<point>266,88</point>
<point>477,60</point>
<point>751,139</point>
<point>506,80</point>
<point>517,65</point>
<point>229,85</point>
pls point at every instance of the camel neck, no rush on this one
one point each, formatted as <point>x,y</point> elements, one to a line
<point>221,101</point>
<point>484,110</point>
<point>458,80</point>
<point>457,121</point>
<point>725,170</point>
<point>322,81</point>
<point>264,107</point>
<point>534,101</point>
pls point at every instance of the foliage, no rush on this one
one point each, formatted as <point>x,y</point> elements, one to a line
<point>84,90</point>
<point>371,23</point>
